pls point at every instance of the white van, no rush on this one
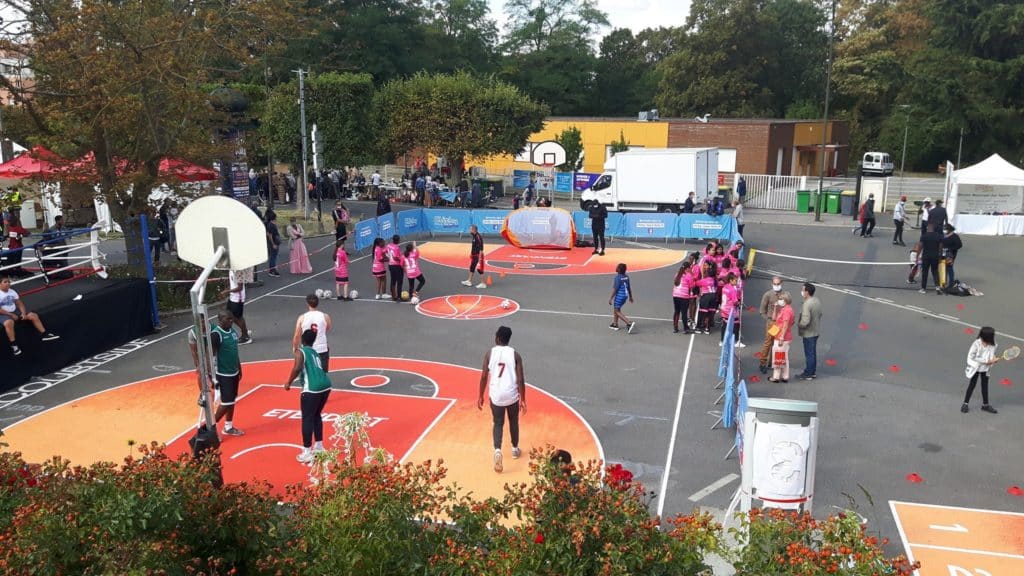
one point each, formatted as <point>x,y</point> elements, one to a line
<point>877,163</point>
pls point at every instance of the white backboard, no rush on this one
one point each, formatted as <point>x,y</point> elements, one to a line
<point>204,218</point>
<point>549,153</point>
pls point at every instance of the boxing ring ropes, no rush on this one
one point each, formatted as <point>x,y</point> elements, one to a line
<point>80,258</point>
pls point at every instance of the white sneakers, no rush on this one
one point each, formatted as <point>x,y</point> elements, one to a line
<point>481,285</point>
<point>467,283</point>
<point>305,457</point>
<point>516,452</point>
<point>497,461</point>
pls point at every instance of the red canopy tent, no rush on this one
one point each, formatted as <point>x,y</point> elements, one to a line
<point>176,168</point>
<point>38,164</point>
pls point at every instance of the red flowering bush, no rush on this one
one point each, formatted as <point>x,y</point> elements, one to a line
<point>784,543</point>
<point>152,515</point>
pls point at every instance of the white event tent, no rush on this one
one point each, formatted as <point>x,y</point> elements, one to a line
<point>987,198</point>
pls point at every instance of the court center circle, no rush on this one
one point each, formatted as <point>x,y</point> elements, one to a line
<point>370,381</point>
<point>468,307</point>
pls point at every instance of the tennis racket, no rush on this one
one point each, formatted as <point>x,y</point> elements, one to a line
<point>1011,353</point>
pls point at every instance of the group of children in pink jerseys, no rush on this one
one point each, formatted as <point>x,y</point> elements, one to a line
<point>708,282</point>
<point>388,258</point>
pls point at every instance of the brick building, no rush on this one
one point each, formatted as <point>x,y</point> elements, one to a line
<point>750,146</point>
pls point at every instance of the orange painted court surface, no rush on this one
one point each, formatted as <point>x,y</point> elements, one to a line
<point>578,261</point>
<point>468,307</point>
<point>445,424</point>
<point>950,541</point>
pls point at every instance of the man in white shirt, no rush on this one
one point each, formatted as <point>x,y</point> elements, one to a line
<point>375,182</point>
<point>320,323</point>
<point>12,311</point>
<point>503,373</point>
<point>236,304</point>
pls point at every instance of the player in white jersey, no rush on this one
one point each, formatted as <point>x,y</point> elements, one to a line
<point>503,373</point>
<point>320,323</point>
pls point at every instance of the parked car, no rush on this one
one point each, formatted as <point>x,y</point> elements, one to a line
<point>877,164</point>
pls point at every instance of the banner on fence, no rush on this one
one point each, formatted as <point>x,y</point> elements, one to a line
<point>704,226</point>
<point>444,221</point>
<point>613,225</point>
<point>563,182</point>
<point>386,225</point>
<point>366,232</point>
<point>521,179</point>
<point>650,225</point>
<point>584,180</point>
<point>410,222</point>
<point>741,414</point>
<point>489,222</point>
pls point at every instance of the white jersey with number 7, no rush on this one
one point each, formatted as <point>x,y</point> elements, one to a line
<point>502,370</point>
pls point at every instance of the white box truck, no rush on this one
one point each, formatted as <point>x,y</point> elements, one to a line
<point>656,179</point>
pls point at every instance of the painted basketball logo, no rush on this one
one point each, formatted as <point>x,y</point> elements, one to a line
<point>468,307</point>
<point>534,262</point>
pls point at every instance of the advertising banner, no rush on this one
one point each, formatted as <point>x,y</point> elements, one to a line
<point>563,182</point>
<point>442,221</point>
<point>650,225</point>
<point>366,232</point>
<point>386,225</point>
<point>704,226</point>
<point>489,222</point>
<point>584,180</point>
<point>520,179</point>
<point>613,225</point>
<point>410,221</point>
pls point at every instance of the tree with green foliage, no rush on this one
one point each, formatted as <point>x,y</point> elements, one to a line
<point>571,140</point>
<point>620,145</point>
<point>339,104</point>
<point>462,36</point>
<point>746,58</point>
<point>627,72</point>
<point>455,116</point>
<point>549,52</point>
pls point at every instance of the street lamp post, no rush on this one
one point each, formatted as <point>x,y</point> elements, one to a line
<point>906,128</point>
<point>824,122</point>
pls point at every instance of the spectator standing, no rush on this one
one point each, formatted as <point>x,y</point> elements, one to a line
<point>931,251</point>
<point>783,337</point>
<point>55,236</point>
<point>689,205</point>
<point>737,213</point>
<point>741,189</point>
<point>341,218</point>
<point>808,327</point>
<point>273,242</point>
<point>375,183</point>
<point>899,215</point>
<point>383,205</point>
<point>938,217</point>
<point>867,224</point>
<point>951,244</point>
<point>298,257</point>
<point>926,207</point>
<point>598,217</point>
<point>15,243</point>
<point>767,312</point>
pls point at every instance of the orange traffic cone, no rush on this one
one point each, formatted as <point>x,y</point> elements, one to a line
<point>489,280</point>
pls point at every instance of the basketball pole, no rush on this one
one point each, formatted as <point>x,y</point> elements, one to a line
<point>201,327</point>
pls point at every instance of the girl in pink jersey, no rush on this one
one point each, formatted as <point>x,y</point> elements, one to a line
<point>706,287</point>
<point>380,271</point>
<point>682,296</point>
<point>411,263</point>
<point>341,270</point>
<point>691,314</point>
<point>731,301</point>
<point>393,253</point>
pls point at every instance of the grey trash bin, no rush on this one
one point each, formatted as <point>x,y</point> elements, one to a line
<point>848,201</point>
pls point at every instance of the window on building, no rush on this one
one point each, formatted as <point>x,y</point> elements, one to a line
<point>727,160</point>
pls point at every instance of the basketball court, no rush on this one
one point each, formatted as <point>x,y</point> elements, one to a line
<point>889,387</point>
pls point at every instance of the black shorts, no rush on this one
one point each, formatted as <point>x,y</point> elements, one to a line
<point>474,261</point>
<point>236,309</point>
<point>341,279</point>
<point>381,274</point>
<point>228,387</point>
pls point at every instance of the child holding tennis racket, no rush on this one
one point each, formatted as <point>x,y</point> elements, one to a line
<point>981,357</point>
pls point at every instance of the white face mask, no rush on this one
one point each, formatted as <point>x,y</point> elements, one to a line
<point>781,302</point>
<point>777,287</point>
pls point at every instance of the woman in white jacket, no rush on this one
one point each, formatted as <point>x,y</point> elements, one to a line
<point>899,215</point>
<point>980,358</point>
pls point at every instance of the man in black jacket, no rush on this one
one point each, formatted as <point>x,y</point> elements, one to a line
<point>931,251</point>
<point>951,244</point>
<point>937,217</point>
<point>598,215</point>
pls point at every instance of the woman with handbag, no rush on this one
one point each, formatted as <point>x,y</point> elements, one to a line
<point>980,357</point>
<point>782,332</point>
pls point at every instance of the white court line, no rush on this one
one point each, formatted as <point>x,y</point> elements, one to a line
<point>903,534</point>
<point>713,487</point>
<point>969,551</point>
<point>832,261</point>
<point>946,507</point>
<point>895,305</point>
<point>675,429</point>
<point>590,314</point>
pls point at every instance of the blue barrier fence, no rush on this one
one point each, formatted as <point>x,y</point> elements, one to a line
<point>636,225</point>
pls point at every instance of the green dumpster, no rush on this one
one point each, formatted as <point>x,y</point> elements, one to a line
<point>832,201</point>
<point>803,201</point>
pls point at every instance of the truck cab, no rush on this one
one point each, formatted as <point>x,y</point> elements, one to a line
<point>877,164</point>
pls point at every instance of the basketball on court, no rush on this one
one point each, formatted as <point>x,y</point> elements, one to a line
<point>354,294</point>
<point>405,295</point>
